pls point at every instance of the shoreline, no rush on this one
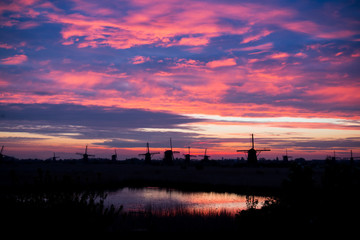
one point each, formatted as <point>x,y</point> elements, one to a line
<point>265,180</point>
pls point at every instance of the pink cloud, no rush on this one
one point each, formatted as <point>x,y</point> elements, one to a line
<point>312,28</point>
<point>222,63</point>
<point>256,37</point>
<point>82,79</point>
<point>356,54</point>
<point>334,34</point>
<point>14,60</point>
<point>335,95</point>
<point>164,74</point>
<point>139,59</point>
<point>194,41</point>
<point>162,21</point>
<point>300,55</point>
<point>279,55</point>
<point>178,23</point>
<point>6,46</point>
<point>188,63</point>
<point>19,9</point>
<point>16,6</point>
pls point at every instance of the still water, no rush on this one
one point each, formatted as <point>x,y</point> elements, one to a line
<point>168,201</point>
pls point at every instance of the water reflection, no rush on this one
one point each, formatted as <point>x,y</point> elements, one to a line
<point>165,201</point>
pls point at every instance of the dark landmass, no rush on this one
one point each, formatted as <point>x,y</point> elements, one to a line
<point>53,195</point>
<point>197,176</point>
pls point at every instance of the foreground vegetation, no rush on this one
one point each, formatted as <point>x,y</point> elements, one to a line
<point>62,206</point>
<point>333,207</point>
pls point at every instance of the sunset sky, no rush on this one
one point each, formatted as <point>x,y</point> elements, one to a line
<point>207,73</point>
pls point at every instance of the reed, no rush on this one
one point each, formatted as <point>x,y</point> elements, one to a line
<point>55,211</point>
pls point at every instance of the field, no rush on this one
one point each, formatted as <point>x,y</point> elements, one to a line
<point>22,173</point>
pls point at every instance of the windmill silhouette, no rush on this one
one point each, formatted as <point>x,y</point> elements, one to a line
<point>85,155</point>
<point>114,156</point>
<point>54,157</point>
<point>252,152</point>
<point>187,156</point>
<point>169,155</point>
<point>333,158</point>
<point>148,154</point>
<point>1,154</point>
<point>352,158</point>
<point>205,157</point>
<point>286,157</point>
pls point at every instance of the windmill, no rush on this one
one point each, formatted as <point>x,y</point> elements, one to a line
<point>114,156</point>
<point>169,155</point>
<point>187,156</point>
<point>148,154</point>
<point>206,157</point>
<point>252,152</point>
<point>85,155</point>
<point>332,158</point>
<point>54,157</point>
<point>3,156</point>
<point>286,157</point>
<point>1,153</point>
<point>352,158</point>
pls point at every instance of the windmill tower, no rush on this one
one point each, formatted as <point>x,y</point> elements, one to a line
<point>1,154</point>
<point>148,154</point>
<point>54,157</point>
<point>352,158</point>
<point>187,157</point>
<point>169,155</point>
<point>332,158</point>
<point>205,157</point>
<point>286,157</point>
<point>114,156</point>
<point>85,155</point>
<point>252,152</point>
